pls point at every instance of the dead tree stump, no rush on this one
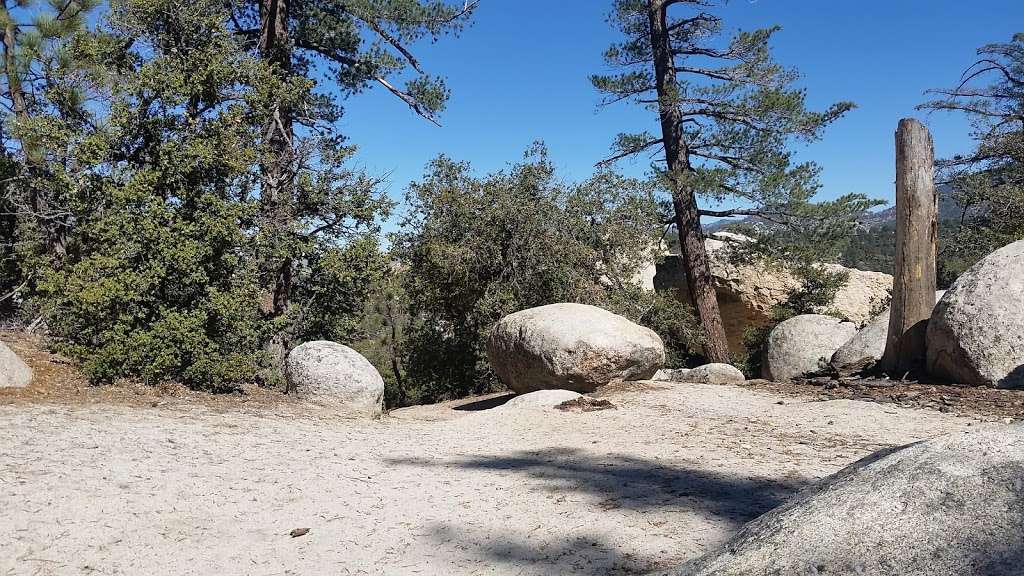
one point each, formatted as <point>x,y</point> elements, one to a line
<point>913,293</point>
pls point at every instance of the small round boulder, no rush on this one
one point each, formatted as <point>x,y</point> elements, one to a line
<point>715,373</point>
<point>804,345</point>
<point>330,373</point>
<point>571,347</point>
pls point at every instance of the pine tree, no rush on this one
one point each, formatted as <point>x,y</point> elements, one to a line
<point>727,113</point>
<point>348,45</point>
<point>988,182</point>
<point>40,72</point>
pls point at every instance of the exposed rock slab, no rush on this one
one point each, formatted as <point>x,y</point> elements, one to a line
<point>542,399</point>
<point>952,505</point>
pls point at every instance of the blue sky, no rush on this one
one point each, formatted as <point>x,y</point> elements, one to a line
<point>520,73</point>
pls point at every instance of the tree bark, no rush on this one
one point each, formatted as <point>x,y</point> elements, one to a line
<point>276,48</point>
<point>684,198</point>
<point>913,294</point>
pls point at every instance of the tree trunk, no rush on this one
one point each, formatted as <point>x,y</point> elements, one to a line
<point>913,294</point>
<point>275,47</point>
<point>54,229</point>
<point>684,199</point>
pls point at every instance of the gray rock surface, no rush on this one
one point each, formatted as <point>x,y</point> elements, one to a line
<point>953,505</point>
<point>671,375</point>
<point>804,345</point>
<point>14,373</point>
<point>869,342</point>
<point>542,399</point>
<point>976,333</point>
<point>572,347</point>
<point>716,374</point>
<point>331,373</point>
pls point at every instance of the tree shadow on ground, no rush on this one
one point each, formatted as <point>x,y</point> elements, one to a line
<point>485,404</point>
<point>573,555</point>
<point>634,483</point>
<point>618,483</point>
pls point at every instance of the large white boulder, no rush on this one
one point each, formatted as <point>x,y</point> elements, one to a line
<point>14,373</point>
<point>952,505</point>
<point>868,345</point>
<point>572,347</point>
<point>976,333</point>
<point>330,373</point>
<point>804,345</point>
<point>748,292</point>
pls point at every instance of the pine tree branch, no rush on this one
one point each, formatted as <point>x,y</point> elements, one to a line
<point>394,42</point>
<point>632,150</point>
<point>402,95</point>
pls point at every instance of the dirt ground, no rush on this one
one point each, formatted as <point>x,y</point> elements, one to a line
<point>137,481</point>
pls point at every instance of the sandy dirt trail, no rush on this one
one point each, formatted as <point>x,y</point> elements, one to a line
<point>182,489</point>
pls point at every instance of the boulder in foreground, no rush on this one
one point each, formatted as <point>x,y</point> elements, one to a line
<point>14,373</point>
<point>571,347</point>
<point>976,333</point>
<point>952,505</point>
<point>331,373</point>
<point>804,345</point>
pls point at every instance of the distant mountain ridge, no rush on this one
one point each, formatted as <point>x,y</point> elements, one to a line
<point>949,209</point>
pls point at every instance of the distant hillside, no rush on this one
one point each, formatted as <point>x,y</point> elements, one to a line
<point>949,209</point>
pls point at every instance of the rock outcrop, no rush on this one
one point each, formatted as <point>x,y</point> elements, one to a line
<point>572,347</point>
<point>330,373</point>
<point>951,505</point>
<point>868,345</point>
<point>14,373</point>
<point>976,333</point>
<point>747,293</point>
<point>804,345</point>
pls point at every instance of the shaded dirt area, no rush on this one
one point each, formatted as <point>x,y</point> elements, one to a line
<point>981,403</point>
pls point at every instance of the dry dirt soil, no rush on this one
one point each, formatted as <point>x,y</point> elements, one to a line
<point>129,481</point>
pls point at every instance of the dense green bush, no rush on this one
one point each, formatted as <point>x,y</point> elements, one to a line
<point>475,249</point>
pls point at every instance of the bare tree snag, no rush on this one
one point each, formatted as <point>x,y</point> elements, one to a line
<point>913,294</point>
